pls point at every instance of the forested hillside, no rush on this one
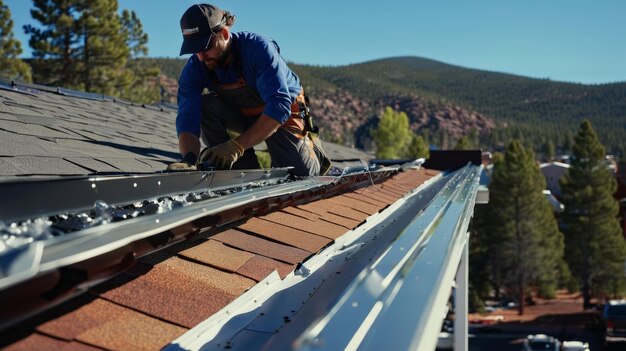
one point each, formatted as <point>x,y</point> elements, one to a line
<point>445,102</point>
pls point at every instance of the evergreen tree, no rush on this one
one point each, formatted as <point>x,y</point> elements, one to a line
<point>87,45</point>
<point>595,249</point>
<point>526,247</point>
<point>105,51</point>
<point>57,45</point>
<point>144,87</point>
<point>392,134</point>
<point>568,143</point>
<point>463,143</point>
<point>136,39</point>
<point>481,253</point>
<point>549,151</point>
<point>443,139</point>
<point>416,148</point>
<point>11,67</point>
<point>473,137</point>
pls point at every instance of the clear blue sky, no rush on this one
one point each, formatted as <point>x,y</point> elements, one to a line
<point>566,40</point>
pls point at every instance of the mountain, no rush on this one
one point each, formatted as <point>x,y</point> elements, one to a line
<point>445,102</point>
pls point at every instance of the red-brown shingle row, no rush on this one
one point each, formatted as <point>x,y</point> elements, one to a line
<point>167,293</point>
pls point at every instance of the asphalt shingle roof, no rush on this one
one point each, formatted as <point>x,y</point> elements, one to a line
<point>45,133</point>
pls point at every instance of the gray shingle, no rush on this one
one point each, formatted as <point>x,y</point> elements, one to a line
<point>155,165</point>
<point>31,129</point>
<point>128,164</point>
<point>51,133</point>
<point>12,148</point>
<point>45,166</point>
<point>9,168</point>
<point>92,164</point>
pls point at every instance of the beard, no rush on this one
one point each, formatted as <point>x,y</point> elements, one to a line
<point>220,61</point>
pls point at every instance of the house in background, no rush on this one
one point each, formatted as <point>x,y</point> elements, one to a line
<point>553,171</point>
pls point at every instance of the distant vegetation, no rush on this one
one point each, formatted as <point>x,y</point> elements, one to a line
<point>516,248</point>
<point>535,111</point>
<point>94,46</point>
<point>11,66</point>
<point>532,110</point>
<point>169,67</point>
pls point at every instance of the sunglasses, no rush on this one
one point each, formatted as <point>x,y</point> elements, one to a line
<point>212,39</point>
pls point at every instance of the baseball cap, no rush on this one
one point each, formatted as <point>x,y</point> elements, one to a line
<point>198,25</point>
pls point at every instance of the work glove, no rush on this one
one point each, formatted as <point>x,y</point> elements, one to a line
<point>187,164</point>
<point>221,156</point>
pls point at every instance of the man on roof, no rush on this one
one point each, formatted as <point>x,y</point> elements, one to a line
<point>238,82</point>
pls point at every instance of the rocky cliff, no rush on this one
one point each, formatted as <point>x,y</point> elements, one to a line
<point>346,119</point>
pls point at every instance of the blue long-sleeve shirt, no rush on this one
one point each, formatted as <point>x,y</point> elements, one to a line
<point>263,68</point>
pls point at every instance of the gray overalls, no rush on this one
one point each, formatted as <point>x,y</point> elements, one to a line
<point>236,107</point>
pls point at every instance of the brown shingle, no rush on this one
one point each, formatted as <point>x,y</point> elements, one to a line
<point>311,207</point>
<point>370,200</point>
<point>288,254</point>
<point>37,342</point>
<point>301,213</point>
<point>431,172</point>
<point>78,346</point>
<point>217,255</point>
<point>377,192</point>
<point>342,221</point>
<point>337,209</point>
<point>228,282</point>
<point>86,317</point>
<point>133,332</point>
<point>171,296</point>
<point>281,233</point>
<point>326,229</point>
<point>393,192</point>
<point>107,325</point>
<point>397,188</point>
<point>260,267</point>
<point>356,205</point>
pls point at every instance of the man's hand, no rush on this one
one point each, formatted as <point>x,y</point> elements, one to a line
<point>221,156</point>
<point>187,164</point>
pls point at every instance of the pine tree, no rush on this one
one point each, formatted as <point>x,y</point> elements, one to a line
<point>87,45</point>
<point>463,143</point>
<point>416,148</point>
<point>105,51</point>
<point>568,143</point>
<point>595,249</point>
<point>11,67</point>
<point>525,243</point>
<point>549,151</point>
<point>57,45</point>
<point>392,134</point>
<point>144,87</point>
<point>136,39</point>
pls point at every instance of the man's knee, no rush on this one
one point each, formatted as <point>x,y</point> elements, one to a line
<point>289,150</point>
